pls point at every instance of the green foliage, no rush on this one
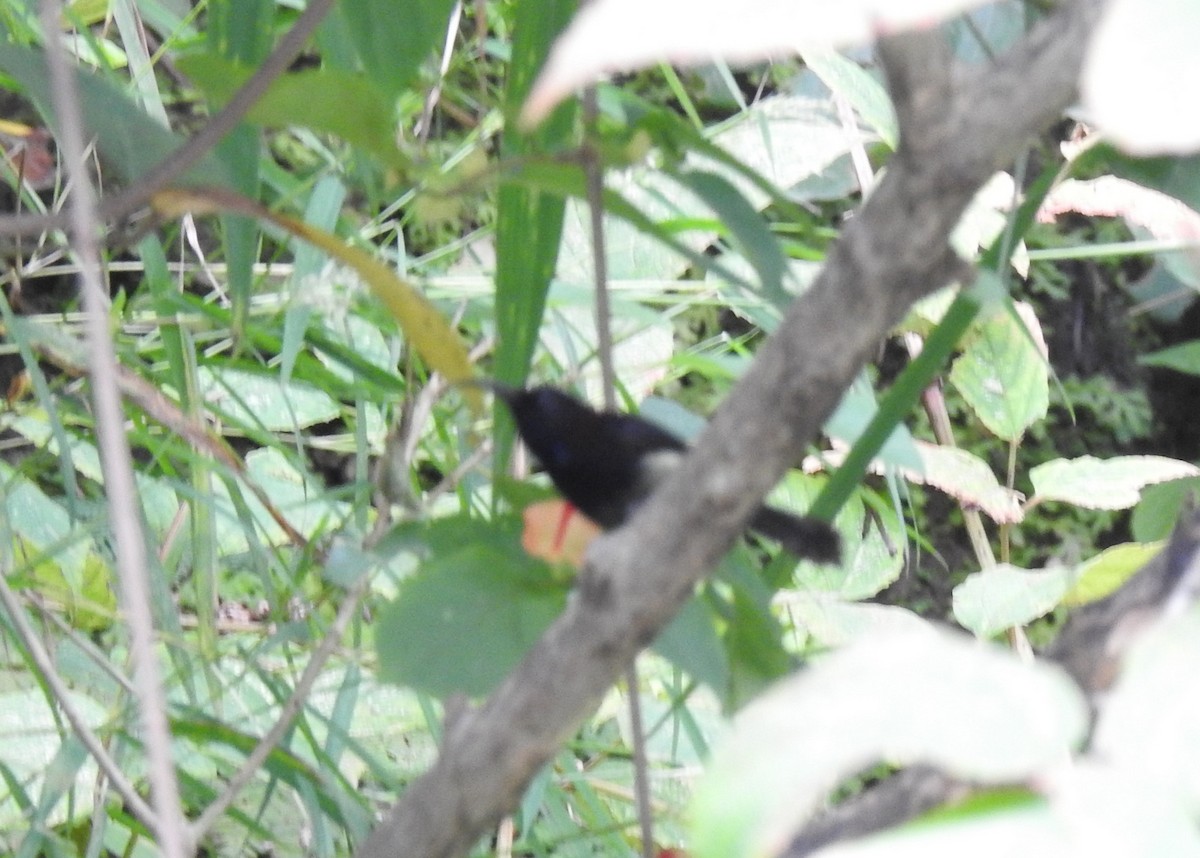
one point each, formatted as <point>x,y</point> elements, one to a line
<point>281,421</point>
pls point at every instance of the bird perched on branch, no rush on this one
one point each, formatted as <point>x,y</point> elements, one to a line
<point>605,464</point>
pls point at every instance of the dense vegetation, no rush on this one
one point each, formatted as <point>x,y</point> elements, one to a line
<point>337,546</point>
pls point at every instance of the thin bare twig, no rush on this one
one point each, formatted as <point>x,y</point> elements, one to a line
<point>120,491</point>
<point>604,350</point>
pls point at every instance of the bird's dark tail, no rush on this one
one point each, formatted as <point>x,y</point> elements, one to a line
<point>807,538</point>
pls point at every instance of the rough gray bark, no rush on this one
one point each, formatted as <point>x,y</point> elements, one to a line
<point>956,131</point>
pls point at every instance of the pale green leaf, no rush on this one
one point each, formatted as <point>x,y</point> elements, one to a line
<point>1114,483</point>
<point>1003,376</point>
<point>264,401</point>
<point>1004,596</point>
<point>1183,357</point>
<point>1108,570</point>
<point>932,697</point>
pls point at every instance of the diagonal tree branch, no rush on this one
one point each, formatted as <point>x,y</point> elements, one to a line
<point>957,130</point>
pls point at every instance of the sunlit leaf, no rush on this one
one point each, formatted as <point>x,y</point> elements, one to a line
<point>466,617</point>
<point>625,35</point>
<point>1139,53</point>
<point>1108,570</point>
<point>1005,596</point>
<point>909,697</point>
<point>1003,374</point>
<point>1113,483</point>
<point>325,99</point>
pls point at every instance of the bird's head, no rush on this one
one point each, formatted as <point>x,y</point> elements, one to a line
<point>547,418</point>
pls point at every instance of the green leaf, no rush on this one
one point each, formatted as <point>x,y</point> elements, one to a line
<point>1177,176</point>
<point>394,39</point>
<point>325,100</point>
<point>833,622</point>
<point>855,412</point>
<point>1003,376</point>
<point>469,613</point>
<point>42,525</point>
<point>1184,357</point>
<point>692,644</point>
<point>1156,513</point>
<point>31,733</point>
<point>865,93</point>
<point>1093,483</point>
<point>263,400</point>
<point>1108,570</point>
<point>917,697</point>
<point>1005,596</point>
<point>754,641</point>
<point>900,399</point>
<point>874,558</point>
<point>131,141</point>
<point>756,241</point>
<point>529,223</point>
<point>969,480</point>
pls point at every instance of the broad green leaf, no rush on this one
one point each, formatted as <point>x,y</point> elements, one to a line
<point>1005,596</point>
<point>1177,176</point>
<point>1184,357</point>
<point>778,142</point>
<point>326,100</point>
<point>89,598</point>
<point>901,398</point>
<point>1003,376</point>
<point>1108,570</point>
<point>913,697</point>
<point>30,735</point>
<point>692,644</point>
<point>394,39</point>
<point>854,413</point>
<point>131,142</point>
<point>253,399</point>
<point>968,479</point>
<point>298,495</point>
<point>43,526</point>
<point>865,93</point>
<point>874,556</point>
<point>1156,513</point>
<point>1093,483</point>
<point>833,622</point>
<point>754,642</point>
<point>466,617</point>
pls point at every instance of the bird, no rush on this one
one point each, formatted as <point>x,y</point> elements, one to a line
<point>605,463</point>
